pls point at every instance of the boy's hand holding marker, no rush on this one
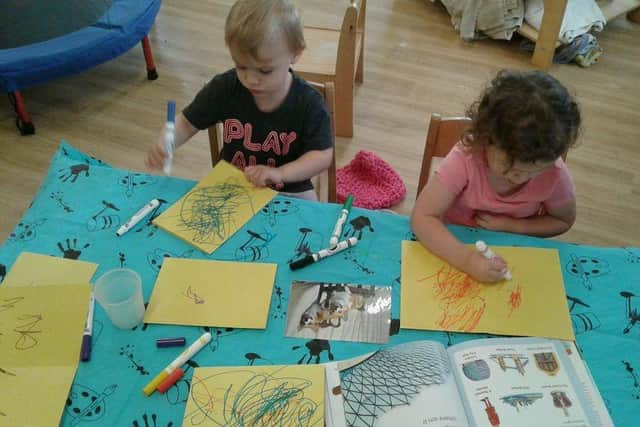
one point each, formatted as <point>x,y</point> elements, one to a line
<point>169,137</point>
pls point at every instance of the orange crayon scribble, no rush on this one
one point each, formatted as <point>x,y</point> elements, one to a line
<point>460,300</point>
<point>515,299</point>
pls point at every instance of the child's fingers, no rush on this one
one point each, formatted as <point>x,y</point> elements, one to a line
<point>497,263</point>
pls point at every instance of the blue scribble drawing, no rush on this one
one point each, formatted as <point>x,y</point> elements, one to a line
<point>261,399</point>
<point>209,212</point>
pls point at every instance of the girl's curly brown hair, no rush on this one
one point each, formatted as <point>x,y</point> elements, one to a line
<point>528,114</point>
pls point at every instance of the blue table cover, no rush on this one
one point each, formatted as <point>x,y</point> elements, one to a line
<point>83,201</point>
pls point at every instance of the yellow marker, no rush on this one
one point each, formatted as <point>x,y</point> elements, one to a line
<point>178,362</point>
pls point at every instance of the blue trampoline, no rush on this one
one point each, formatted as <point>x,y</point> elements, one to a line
<point>41,40</point>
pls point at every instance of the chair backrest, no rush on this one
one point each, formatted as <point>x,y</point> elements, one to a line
<point>326,183</point>
<point>351,40</point>
<point>443,134</point>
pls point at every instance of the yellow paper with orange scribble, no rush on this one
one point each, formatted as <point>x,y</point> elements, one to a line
<point>436,296</point>
<point>256,396</point>
<point>215,208</point>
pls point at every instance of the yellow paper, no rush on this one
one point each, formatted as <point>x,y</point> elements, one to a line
<point>438,297</point>
<point>39,350</point>
<point>212,293</point>
<point>256,396</point>
<point>215,208</point>
<point>36,269</point>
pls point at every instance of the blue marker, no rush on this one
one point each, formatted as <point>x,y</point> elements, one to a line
<point>169,135</point>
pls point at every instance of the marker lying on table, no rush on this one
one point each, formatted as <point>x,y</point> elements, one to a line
<point>85,350</point>
<point>144,211</point>
<point>169,136</point>
<point>489,254</point>
<point>178,362</point>
<point>344,213</point>
<point>173,378</point>
<point>323,253</point>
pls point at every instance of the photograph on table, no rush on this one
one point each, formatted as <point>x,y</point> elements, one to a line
<point>339,311</point>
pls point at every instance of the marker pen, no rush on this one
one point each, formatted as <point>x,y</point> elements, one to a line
<point>344,213</point>
<point>85,350</point>
<point>323,253</point>
<point>144,211</point>
<point>169,136</point>
<point>178,362</point>
<point>489,254</point>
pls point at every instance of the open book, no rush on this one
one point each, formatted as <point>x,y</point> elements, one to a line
<point>489,382</point>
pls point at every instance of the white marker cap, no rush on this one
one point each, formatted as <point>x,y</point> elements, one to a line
<point>481,246</point>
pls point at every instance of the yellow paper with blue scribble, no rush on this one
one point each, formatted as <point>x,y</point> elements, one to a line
<point>215,208</point>
<point>212,293</point>
<point>436,296</point>
<point>31,269</point>
<point>256,396</point>
<point>40,336</point>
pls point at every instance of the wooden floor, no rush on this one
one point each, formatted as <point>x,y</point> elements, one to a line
<point>415,64</point>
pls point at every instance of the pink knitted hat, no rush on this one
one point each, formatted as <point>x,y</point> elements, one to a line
<point>371,180</point>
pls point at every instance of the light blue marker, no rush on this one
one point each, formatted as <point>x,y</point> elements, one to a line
<point>169,135</point>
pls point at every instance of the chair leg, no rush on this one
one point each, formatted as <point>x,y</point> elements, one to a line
<point>23,121</point>
<point>152,74</point>
<point>344,115</point>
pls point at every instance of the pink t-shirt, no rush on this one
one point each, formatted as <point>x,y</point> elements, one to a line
<point>465,174</point>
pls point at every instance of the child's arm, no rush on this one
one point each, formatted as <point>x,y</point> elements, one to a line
<point>158,153</point>
<point>556,221</point>
<point>306,166</point>
<point>432,203</point>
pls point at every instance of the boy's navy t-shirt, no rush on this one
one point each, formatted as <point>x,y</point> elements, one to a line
<point>252,137</point>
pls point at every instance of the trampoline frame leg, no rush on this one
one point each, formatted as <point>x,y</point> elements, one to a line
<point>152,74</point>
<point>23,121</point>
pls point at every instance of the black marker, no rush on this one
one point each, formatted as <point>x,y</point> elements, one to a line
<point>323,253</point>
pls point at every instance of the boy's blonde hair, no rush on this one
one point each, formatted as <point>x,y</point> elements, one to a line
<point>252,22</point>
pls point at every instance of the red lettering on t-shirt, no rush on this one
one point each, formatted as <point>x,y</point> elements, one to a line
<point>271,143</point>
<point>287,139</point>
<point>251,146</point>
<point>232,130</point>
<point>238,160</point>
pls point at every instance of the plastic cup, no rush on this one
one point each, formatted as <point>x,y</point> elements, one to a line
<point>119,292</point>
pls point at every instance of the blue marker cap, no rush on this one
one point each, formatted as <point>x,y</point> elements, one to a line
<point>170,342</point>
<point>171,111</point>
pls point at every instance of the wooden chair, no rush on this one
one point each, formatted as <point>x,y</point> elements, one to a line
<point>337,56</point>
<point>325,184</point>
<point>443,134</point>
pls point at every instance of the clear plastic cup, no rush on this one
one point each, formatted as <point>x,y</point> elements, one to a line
<point>119,292</point>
